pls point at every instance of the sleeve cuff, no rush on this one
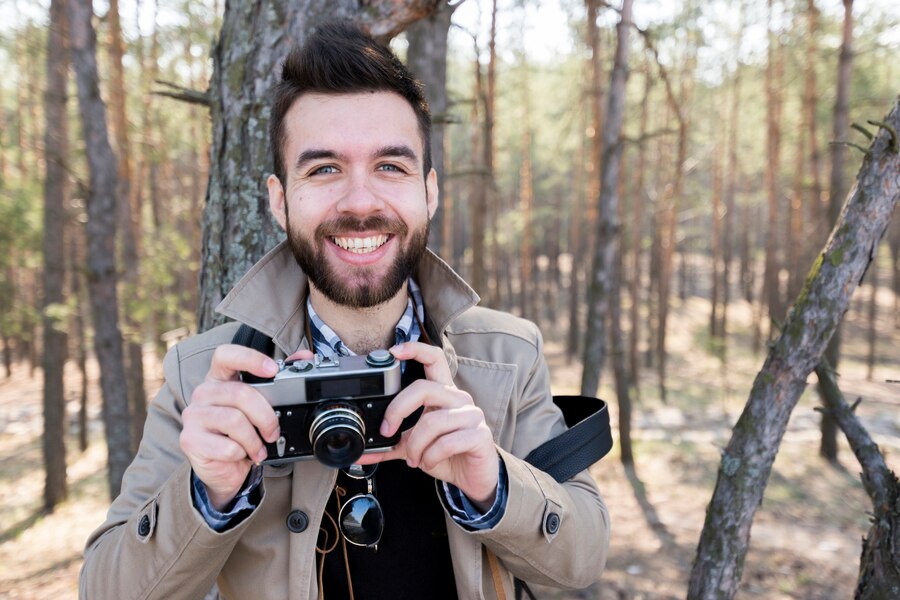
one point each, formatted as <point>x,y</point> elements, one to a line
<point>239,508</point>
<point>463,512</point>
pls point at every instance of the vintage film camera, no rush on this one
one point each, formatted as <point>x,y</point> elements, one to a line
<point>332,408</point>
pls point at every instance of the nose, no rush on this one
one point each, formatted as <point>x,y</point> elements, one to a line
<point>360,196</point>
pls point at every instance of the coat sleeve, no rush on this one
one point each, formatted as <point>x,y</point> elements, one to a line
<point>154,543</point>
<point>551,533</point>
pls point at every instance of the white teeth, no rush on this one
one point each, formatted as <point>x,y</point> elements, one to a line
<point>360,245</point>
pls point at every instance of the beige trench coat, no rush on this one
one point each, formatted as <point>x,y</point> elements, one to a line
<point>155,544</point>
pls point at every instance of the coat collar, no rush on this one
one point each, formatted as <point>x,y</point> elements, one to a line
<point>271,296</point>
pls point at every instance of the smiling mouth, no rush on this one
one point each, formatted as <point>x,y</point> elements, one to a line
<point>359,245</point>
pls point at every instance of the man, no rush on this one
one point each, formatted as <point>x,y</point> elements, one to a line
<point>462,513</point>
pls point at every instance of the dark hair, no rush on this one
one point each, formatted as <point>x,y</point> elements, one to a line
<point>339,58</point>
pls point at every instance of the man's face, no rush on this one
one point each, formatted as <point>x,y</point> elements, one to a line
<point>356,205</point>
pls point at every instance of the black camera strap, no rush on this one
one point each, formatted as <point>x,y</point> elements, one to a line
<point>587,440</point>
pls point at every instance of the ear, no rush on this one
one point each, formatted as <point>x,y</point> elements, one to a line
<point>276,201</point>
<point>431,193</point>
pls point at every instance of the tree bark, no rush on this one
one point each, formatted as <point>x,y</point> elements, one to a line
<point>748,457</point>
<point>426,56</point>
<point>254,39</point>
<point>603,282</point>
<point>101,237</point>
<point>56,190</point>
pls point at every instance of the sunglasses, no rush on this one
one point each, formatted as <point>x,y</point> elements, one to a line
<point>361,519</point>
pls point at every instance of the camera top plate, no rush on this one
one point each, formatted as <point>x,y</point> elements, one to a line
<point>376,374</point>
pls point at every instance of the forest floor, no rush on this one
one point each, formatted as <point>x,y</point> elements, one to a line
<point>806,536</point>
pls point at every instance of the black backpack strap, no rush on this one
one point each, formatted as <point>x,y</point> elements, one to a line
<point>250,337</point>
<point>587,440</point>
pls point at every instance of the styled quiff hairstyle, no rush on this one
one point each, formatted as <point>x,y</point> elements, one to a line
<point>339,58</point>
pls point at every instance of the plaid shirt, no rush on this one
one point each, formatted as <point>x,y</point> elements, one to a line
<point>326,343</point>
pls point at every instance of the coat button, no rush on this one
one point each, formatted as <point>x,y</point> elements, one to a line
<point>144,526</point>
<point>297,521</point>
<point>551,524</point>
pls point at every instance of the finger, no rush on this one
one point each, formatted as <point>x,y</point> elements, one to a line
<point>425,393</point>
<point>300,354</point>
<point>233,423</point>
<point>462,441</point>
<point>204,447</point>
<point>230,359</point>
<point>397,453</point>
<point>241,396</point>
<point>432,426</point>
<point>431,357</point>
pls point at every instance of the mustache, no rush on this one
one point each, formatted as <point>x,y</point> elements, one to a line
<point>351,224</point>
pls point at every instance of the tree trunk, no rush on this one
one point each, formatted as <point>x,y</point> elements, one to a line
<point>493,199</point>
<point>576,224</point>
<point>129,226</point>
<point>101,234</point>
<point>637,236</point>
<point>477,187</point>
<point>426,56</point>
<point>717,241</point>
<point>731,192</point>
<point>774,77</point>
<point>747,459</point>
<point>76,289</point>
<point>526,205</point>
<point>603,281</point>
<point>254,39</point>
<point>56,189</point>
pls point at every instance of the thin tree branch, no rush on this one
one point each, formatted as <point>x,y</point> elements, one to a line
<point>876,473</point>
<point>183,94</point>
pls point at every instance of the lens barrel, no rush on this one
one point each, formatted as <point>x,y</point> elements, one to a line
<point>337,435</point>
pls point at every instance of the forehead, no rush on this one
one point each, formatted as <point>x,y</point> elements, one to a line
<point>346,122</point>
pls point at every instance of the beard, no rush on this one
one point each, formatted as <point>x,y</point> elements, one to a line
<point>364,289</point>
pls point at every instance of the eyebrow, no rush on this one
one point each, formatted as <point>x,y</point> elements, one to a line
<point>399,150</point>
<point>316,154</point>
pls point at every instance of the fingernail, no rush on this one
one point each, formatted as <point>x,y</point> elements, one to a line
<point>261,456</point>
<point>395,348</point>
<point>269,364</point>
<point>385,427</point>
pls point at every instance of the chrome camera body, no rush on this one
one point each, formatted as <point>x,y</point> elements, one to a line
<point>332,408</point>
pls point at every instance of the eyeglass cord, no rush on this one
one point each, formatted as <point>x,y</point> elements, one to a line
<point>339,493</point>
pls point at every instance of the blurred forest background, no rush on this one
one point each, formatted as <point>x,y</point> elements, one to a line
<point>743,125</point>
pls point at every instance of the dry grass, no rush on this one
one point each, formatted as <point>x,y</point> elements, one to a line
<point>805,539</point>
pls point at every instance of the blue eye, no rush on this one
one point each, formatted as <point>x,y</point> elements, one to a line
<point>325,170</point>
<point>390,167</point>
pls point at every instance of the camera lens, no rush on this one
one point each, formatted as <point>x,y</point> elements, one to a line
<point>337,435</point>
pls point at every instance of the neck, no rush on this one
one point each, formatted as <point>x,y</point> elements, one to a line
<point>361,329</point>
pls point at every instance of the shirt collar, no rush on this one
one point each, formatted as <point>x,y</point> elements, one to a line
<point>328,344</point>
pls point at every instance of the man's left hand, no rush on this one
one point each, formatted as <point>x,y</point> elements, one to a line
<point>451,440</point>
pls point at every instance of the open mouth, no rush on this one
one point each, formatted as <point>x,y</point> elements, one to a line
<point>361,245</point>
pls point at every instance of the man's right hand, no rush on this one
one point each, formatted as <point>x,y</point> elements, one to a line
<point>226,422</point>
